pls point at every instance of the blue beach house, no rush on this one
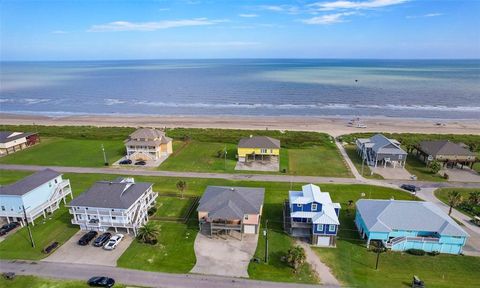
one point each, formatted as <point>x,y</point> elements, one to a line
<point>311,214</point>
<point>403,225</point>
<point>39,193</point>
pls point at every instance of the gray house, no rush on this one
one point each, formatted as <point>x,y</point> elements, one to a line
<point>381,150</point>
<point>225,209</point>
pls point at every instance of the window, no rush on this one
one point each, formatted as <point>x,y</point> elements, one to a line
<point>331,228</point>
<point>49,184</point>
<point>314,207</point>
<point>299,205</point>
<point>3,208</point>
<point>400,156</point>
<point>263,151</point>
<point>56,181</point>
<point>246,217</point>
<point>320,227</point>
<point>114,218</point>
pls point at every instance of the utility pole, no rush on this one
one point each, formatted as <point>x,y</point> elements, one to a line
<point>225,157</point>
<point>265,233</point>
<point>104,156</point>
<point>363,160</point>
<point>28,227</point>
<point>378,257</point>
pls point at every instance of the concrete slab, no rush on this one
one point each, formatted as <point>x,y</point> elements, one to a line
<point>461,175</point>
<point>270,166</point>
<point>149,163</point>
<point>392,173</point>
<point>224,257</point>
<point>71,252</point>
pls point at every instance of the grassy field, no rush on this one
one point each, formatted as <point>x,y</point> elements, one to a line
<point>357,161</point>
<point>354,265</point>
<point>419,169</point>
<point>171,206</point>
<point>37,282</point>
<point>442,195</point>
<point>317,161</point>
<point>67,152</point>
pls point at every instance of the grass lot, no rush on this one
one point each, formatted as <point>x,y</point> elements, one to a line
<point>442,195</point>
<point>67,152</point>
<point>357,161</point>
<point>202,157</point>
<point>37,282</point>
<point>172,206</point>
<point>418,168</point>
<point>354,265</point>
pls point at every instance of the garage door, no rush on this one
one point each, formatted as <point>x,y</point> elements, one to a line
<point>249,229</point>
<point>323,241</point>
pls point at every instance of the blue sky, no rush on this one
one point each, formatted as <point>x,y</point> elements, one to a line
<point>78,30</point>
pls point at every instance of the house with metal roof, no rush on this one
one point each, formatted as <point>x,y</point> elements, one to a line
<point>11,142</point>
<point>310,213</point>
<point>118,204</point>
<point>33,196</point>
<point>403,225</point>
<point>148,144</point>
<point>380,150</point>
<point>446,152</point>
<point>225,209</point>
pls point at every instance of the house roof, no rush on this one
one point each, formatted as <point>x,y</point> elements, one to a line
<point>311,193</point>
<point>29,183</point>
<point>384,145</point>
<point>119,194</point>
<point>444,147</point>
<point>231,203</point>
<point>150,134</point>
<point>7,136</point>
<point>388,215</point>
<point>259,142</point>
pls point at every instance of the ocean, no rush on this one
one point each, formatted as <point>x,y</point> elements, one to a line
<point>447,89</point>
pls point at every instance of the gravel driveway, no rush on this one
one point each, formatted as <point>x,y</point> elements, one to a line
<point>224,257</point>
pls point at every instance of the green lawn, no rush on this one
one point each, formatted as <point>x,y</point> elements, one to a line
<point>419,169</point>
<point>67,152</point>
<point>357,161</point>
<point>173,206</point>
<point>354,265</point>
<point>21,281</point>
<point>199,156</point>
<point>442,195</point>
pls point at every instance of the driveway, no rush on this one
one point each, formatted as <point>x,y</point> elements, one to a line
<point>461,175</point>
<point>392,173</point>
<point>224,257</point>
<point>71,252</point>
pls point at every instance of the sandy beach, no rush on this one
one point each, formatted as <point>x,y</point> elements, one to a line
<point>332,126</point>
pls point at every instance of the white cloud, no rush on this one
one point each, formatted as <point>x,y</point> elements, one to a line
<point>248,15</point>
<point>328,19</point>
<point>151,26</point>
<point>425,15</point>
<point>59,32</point>
<point>341,4</point>
<point>289,9</point>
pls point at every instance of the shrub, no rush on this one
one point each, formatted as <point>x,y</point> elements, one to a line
<point>445,176</point>
<point>152,211</point>
<point>417,252</point>
<point>434,253</point>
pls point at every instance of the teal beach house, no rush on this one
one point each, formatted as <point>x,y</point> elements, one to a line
<point>403,225</point>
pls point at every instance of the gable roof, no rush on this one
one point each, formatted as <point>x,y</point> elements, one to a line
<point>119,194</point>
<point>311,193</point>
<point>384,145</point>
<point>259,142</point>
<point>444,147</point>
<point>29,183</point>
<point>388,215</point>
<point>231,203</point>
<point>150,134</point>
<point>7,136</point>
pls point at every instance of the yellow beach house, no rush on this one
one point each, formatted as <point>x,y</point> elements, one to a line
<point>258,148</point>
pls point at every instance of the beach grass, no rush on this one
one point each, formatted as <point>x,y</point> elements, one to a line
<point>67,152</point>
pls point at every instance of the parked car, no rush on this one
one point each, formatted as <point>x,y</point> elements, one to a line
<point>125,162</point>
<point>87,238</point>
<point>409,187</point>
<point>102,239</point>
<point>113,242</point>
<point>140,163</point>
<point>8,227</point>
<point>101,281</point>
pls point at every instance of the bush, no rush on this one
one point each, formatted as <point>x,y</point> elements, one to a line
<point>434,253</point>
<point>445,176</point>
<point>417,252</point>
<point>152,211</point>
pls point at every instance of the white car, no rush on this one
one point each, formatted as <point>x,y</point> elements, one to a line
<point>113,242</point>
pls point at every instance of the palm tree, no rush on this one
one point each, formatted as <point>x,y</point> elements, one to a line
<point>454,198</point>
<point>148,233</point>
<point>296,257</point>
<point>474,198</point>
<point>181,186</point>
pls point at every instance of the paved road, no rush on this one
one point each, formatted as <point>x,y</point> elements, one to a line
<point>135,277</point>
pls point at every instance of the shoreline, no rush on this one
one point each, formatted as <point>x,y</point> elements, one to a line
<point>334,126</point>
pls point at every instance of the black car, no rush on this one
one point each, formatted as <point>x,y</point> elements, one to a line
<point>140,163</point>
<point>102,239</point>
<point>8,227</point>
<point>87,238</point>
<point>125,162</point>
<point>101,281</point>
<point>409,187</point>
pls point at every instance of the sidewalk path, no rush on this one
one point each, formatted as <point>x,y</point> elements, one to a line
<point>326,277</point>
<point>349,161</point>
